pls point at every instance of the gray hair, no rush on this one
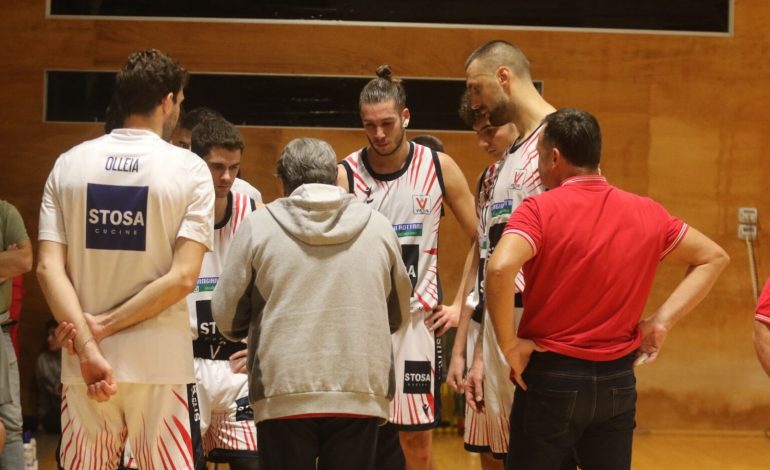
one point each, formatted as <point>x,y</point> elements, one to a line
<point>304,161</point>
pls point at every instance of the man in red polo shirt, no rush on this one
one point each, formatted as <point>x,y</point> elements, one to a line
<point>589,253</point>
<point>762,328</point>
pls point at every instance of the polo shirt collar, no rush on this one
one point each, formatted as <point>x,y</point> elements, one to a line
<point>583,179</point>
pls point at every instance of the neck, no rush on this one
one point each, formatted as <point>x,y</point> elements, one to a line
<point>386,164</point>
<point>573,171</point>
<point>530,112</point>
<point>220,209</point>
<point>151,123</point>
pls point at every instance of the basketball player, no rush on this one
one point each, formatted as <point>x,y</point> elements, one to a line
<point>182,137</point>
<point>227,422</point>
<point>409,184</point>
<point>478,422</point>
<point>122,238</point>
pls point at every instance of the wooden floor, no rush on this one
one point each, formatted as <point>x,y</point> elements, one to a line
<point>652,451</point>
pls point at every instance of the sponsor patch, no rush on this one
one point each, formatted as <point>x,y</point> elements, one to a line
<point>421,204</point>
<point>205,284</point>
<point>502,208</point>
<point>116,217</point>
<point>408,230</point>
<point>417,377</point>
<point>243,411</point>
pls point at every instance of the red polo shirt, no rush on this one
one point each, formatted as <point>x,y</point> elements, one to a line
<point>596,251</point>
<point>763,306</point>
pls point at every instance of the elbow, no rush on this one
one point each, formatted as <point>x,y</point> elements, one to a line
<point>187,282</point>
<point>721,259</point>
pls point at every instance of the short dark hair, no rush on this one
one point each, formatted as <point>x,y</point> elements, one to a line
<point>383,88</point>
<point>215,133</point>
<point>576,134</point>
<point>196,116</point>
<point>430,141</point>
<point>113,118</point>
<point>496,53</point>
<point>145,80</point>
<point>469,115</point>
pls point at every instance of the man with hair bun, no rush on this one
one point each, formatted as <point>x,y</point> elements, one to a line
<point>410,184</point>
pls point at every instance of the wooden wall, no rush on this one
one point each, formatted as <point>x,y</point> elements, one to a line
<point>685,121</point>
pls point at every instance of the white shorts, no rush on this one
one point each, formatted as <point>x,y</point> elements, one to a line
<point>227,421</point>
<point>160,422</point>
<point>475,433</point>
<point>417,403</point>
<point>498,390</point>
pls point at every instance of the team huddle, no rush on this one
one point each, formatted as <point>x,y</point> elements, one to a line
<point>204,326</point>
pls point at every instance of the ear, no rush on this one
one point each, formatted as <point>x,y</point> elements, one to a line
<point>504,77</point>
<point>405,115</point>
<point>167,103</point>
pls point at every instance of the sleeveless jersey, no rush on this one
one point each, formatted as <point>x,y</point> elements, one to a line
<point>517,177</point>
<point>411,199</point>
<point>208,342</point>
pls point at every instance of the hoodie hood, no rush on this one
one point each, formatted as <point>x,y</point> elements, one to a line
<point>320,214</point>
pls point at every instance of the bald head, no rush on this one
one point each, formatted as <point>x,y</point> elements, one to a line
<point>488,57</point>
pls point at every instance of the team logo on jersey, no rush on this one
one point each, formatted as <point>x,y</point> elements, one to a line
<point>421,204</point>
<point>502,208</point>
<point>411,256</point>
<point>408,230</point>
<point>368,193</point>
<point>116,217</point>
<point>417,377</point>
<point>243,411</point>
<point>518,179</point>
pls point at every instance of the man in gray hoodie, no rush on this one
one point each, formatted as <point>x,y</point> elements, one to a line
<point>317,283</point>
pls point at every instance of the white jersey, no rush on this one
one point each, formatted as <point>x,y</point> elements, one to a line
<point>517,178</point>
<point>242,186</point>
<point>119,203</point>
<point>411,199</point>
<point>209,343</point>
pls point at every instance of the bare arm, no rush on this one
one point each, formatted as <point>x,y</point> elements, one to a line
<point>706,262</point>
<point>158,295</point>
<point>510,255</point>
<point>16,260</point>
<point>65,306</point>
<point>447,316</point>
<point>342,178</point>
<point>762,344</point>
<point>457,195</point>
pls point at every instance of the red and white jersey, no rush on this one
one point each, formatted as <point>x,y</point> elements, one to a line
<point>209,343</point>
<point>517,178</point>
<point>411,199</point>
<point>119,203</point>
<point>483,193</point>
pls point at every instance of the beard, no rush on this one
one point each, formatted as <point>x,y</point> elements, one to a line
<point>397,141</point>
<point>498,114</point>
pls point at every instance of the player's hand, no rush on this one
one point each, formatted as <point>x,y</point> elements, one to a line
<point>456,373</point>
<point>65,334</point>
<point>518,356</point>
<point>238,361</point>
<point>474,387</point>
<point>653,336</point>
<point>97,373</point>
<point>443,318</point>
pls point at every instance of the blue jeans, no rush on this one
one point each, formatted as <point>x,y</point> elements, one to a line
<point>575,404</point>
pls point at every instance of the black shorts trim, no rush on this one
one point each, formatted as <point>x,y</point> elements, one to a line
<point>226,455</point>
<point>477,449</point>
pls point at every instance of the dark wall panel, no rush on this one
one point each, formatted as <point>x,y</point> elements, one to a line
<point>681,15</point>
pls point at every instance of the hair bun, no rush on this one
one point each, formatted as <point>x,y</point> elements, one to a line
<point>385,72</point>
